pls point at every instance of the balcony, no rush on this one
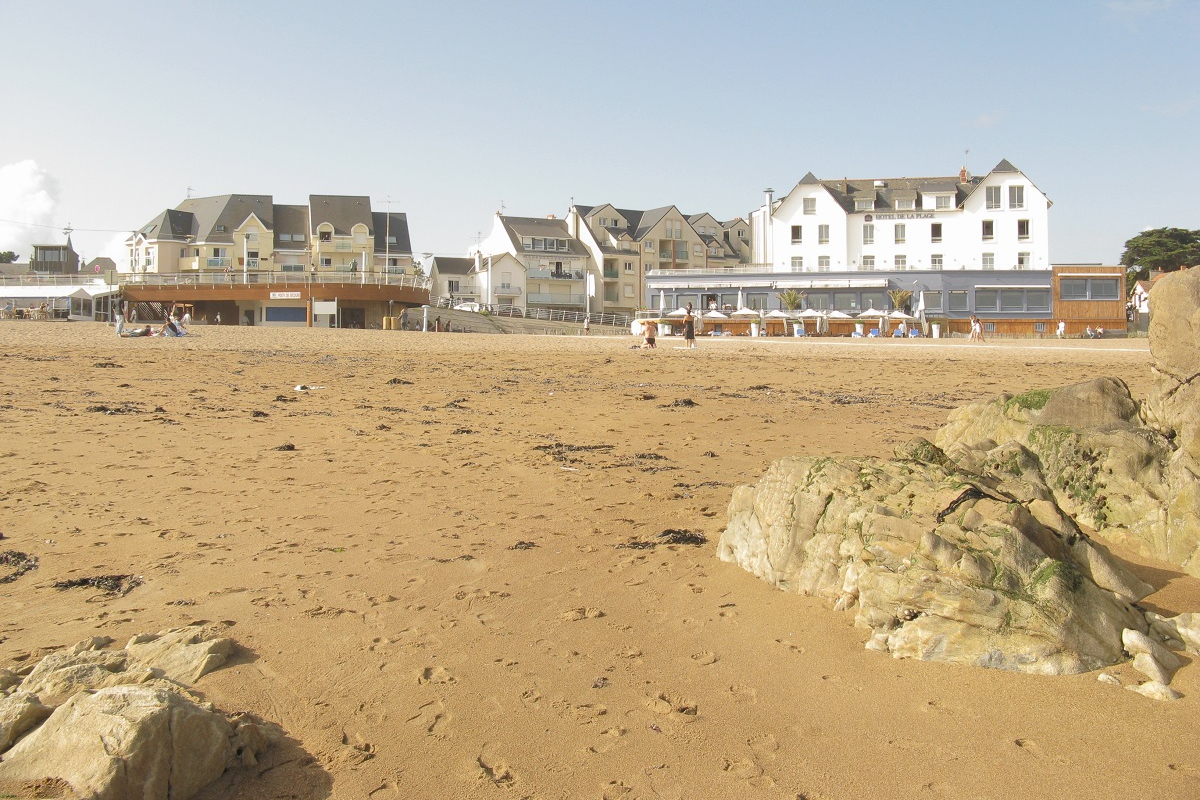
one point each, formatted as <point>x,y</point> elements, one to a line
<point>220,263</point>
<point>543,299</point>
<point>508,290</point>
<point>610,274</point>
<point>557,275</point>
<point>251,263</point>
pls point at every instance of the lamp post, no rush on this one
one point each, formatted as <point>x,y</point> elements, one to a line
<point>245,256</point>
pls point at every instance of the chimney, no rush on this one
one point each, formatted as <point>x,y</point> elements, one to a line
<point>478,260</point>
<point>963,175</point>
<point>769,197</point>
<point>550,216</point>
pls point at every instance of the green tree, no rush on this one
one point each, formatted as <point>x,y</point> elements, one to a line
<point>790,299</point>
<point>1165,249</point>
<point>8,257</point>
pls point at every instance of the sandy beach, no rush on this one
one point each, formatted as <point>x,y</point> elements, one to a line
<point>429,588</point>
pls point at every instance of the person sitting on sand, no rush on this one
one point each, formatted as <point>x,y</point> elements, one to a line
<point>650,331</point>
<point>136,332</point>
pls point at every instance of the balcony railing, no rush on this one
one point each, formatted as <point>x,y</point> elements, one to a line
<point>219,263</point>
<point>240,277</point>
<point>558,275</point>
<point>251,263</point>
<point>508,290</point>
<point>610,274</point>
<point>341,244</point>
<point>544,299</point>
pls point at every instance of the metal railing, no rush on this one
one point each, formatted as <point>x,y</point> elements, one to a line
<point>271,278</point>
<point>556,299</point>
<point>544,314</point>
<point>220,263</point>
<point>559,275</point>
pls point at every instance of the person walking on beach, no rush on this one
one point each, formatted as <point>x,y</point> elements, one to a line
<point>976,330</point>
<point>1062,328</point>
<point>587,325</point>
<point>689,328</point>
<point>404,320</point>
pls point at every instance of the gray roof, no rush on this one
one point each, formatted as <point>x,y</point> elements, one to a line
<point>293,220</point>
<point>450,265</point>
<point>542,228</point>
<point>397,227</point>
<point>343,212</point>
<point>227,210</point>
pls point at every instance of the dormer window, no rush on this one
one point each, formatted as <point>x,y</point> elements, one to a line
<point>220,229</point>
<point>325,236</point>
<point>906,205</point>
<point>942,202</point>
<point>864,204</point>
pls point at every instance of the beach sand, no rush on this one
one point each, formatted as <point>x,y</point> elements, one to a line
<point>429,592</point>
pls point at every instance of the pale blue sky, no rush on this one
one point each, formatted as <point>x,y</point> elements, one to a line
<point>452,108</point>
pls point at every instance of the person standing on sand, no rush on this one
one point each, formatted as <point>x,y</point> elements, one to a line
<point>1062,328</point>
<point>404,320</point>
<point>217,319</point>
<point>650,330</point>
<point>976,330</point>
<point>689,328</point>
<point>587,324</point>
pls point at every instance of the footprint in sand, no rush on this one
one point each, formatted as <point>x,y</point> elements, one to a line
<point>705,657</point>
<point>792,648</point>
<point>615,790</point>
<point>496,771</point>
<point>436,675</point>
<point>764,746</point>
<point>530,696</point>
<point>432,718</point>
<point>743,694</point>
<point>577,614</point>
<point>664,703</point>
<point>743,768</point>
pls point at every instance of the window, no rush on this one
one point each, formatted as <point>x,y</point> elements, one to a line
<point>629,266</point>
<point>810,205</point>
<point>741,234</point>
<point>933,301</point>
<point>325,236</point>
<point>900,233</point>
<point>993,197</point>
<point>1022,229</point>
<point>906,204</point>
<point>822,263</point>
<point>989,230</point>
<point>527,242</point>
<point>326,261</point>
<point>539,243</point>
<point>391,240</point>
<point>986,299</point>
<point>957,301</point>
<point>935,261</point>
<point>220,229</point>
<point>220,252</point>
<point>797,263</point>
<point>901,262</point>
<point>989,327</point>
<point>452,286</point>
<point>182,252</point>
<point>1103,289</point>
<point>649,245</point>
<point>797,234</point>
<point>822,234</point>
<point>868,262</point>
<point>869,233</point>
<point>628,290</point>
<point>1039,327</point>
<point>1022,260</point>
<point>284,237</point>
<point>942,202</point>
<point>864,204</point>
<point>697,250</point>
<point>1016,197</point>
<point>935,232</point>
<point>989,261</point>
<point>1037,299</point>
<point>1012,300</point>
<point>291,268</point>
<point>604,222</point>
<point>1073,289</point>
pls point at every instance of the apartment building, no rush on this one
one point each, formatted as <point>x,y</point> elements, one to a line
<point>55,259</point>
<point>251,234</point>
<point>534,262</point>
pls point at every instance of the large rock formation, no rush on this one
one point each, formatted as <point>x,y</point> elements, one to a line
<point>125,725</point>
<point>971,551</point>
<point>939,563</point>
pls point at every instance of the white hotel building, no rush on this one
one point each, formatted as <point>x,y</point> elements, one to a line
<point>961,244</point>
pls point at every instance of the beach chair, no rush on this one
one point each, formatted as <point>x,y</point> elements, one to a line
<point>873,333</point>
<point>856,335</point>
<point>914,333</point>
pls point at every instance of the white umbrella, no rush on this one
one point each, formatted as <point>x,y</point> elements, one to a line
<point>812,313</point>
<point>662,300</point>
<point>741,302</point>
<point>779,314</point>
<point>715,315</point>
<point>745,312</point>
<point>898,314</point>
<point>679,312</point>
<point>838,315</point>
<point>872,312</point>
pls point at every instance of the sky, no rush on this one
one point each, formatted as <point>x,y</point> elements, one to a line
<point>459,109</point>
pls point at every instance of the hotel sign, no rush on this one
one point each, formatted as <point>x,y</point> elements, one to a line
<point>285,295</point>
<point>922,215</point>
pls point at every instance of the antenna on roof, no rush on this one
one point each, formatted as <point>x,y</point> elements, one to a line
<point>966,153</point>
<point>189,192</point>
<point>502,208</point>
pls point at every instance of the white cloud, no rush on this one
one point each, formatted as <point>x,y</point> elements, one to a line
<point>28,197</point>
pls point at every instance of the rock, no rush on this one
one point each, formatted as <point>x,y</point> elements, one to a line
<point>1108,678</point>
<point>1188,627</point>
<point>940,564</point>
<point>1149,666</point>
<point>60,675</point>
<point>8,679</point>
<point>20,712</point>
<point>142,742</point>
<point>1135,642</point>
<point>1155,691</point>
<point>181,654</point>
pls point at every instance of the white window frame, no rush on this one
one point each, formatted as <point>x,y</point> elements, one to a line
<point>869,233</point>
<point>822,263</point>
<point>810,205</point>
<point>797,263</point>
<point>822,234</point>
<point>901,233</point>
<point>992,197</point>
<point>797,234</point>
<point>988,261</point>
<point>1016,196</point>
<point>941,202</point>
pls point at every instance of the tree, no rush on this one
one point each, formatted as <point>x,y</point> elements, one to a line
<point>1165,249</point>
<point>8,257</point>
<point>790,299</point>
<point>900,298</point>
